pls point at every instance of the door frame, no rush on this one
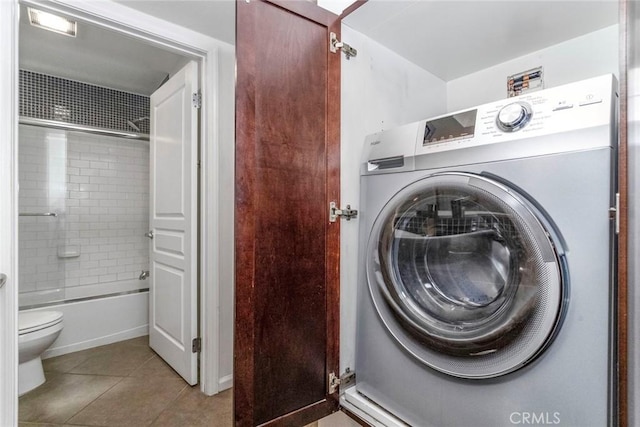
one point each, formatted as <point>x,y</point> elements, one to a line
<point>8,215</point>
<point>213,131</point>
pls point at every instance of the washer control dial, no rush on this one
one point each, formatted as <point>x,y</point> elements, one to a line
<point>514,116</point>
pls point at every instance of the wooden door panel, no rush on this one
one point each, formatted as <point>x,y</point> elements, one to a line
<point>287,170</point>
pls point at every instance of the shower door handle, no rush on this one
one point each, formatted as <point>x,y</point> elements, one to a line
<point>3,279</point>
<point>149,234</point>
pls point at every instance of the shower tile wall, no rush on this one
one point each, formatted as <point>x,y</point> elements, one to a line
<point>97,186</point>
<point>98,236</point>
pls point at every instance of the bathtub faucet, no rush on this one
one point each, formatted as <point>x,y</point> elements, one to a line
<point>144,275</point>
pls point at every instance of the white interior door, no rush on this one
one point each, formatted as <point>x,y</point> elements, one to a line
<point>173,222</point>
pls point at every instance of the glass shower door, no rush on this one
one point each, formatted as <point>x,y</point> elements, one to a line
<point>42,205</point>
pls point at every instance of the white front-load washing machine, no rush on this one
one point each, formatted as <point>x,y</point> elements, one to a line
<point>486,250</point>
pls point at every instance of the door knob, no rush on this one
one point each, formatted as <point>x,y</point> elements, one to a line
<point>3,279</point>
<point>149,234</point>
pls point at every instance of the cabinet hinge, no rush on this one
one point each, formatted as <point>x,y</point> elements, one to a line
<point>335,44</point>
<point>197,99</point>
<point>346,213</point>
<point>614,213</point>
<point>340,383</point>
<point>196,345</point>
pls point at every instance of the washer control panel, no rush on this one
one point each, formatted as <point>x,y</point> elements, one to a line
<point>572,117</point>
<point>574,106</point>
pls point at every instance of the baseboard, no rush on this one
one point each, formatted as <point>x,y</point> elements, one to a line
<point>96,342</point>
<point>225,382</point>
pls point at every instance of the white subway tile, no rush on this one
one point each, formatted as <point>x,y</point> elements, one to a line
<point>81,164</point>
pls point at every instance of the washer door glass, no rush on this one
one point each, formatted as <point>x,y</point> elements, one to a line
<point>465,275</point>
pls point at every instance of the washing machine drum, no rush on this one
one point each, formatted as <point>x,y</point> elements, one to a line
<point>467,275</point>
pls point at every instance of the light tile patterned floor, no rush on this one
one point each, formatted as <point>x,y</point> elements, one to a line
<point>126,384</point>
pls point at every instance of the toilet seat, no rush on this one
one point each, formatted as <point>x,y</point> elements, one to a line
<point>33,321</point>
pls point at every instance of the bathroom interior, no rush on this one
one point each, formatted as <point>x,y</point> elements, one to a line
<point>84,167</point>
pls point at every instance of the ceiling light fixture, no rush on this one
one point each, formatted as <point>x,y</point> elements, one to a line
<point>51,22</point>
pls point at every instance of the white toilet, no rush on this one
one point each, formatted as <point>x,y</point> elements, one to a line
<point>37,331</point>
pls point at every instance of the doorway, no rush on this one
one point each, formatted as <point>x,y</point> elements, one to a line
<point>101,164</point>
<point>204,50</point>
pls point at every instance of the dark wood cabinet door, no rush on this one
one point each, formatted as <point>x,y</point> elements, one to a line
<point>287,252</point>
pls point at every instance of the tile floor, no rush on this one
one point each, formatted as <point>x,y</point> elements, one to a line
<point>122,384</point>
<point>126,384</point>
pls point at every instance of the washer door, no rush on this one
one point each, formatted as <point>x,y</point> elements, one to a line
<point>465,275</point>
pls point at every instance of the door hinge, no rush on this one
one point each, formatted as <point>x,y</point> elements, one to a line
<point>342,382</point>
<point>346,213</point>
<point>197,99</point>
<point>196,345</point>
<point>335,44</point>
<point>614,213</point>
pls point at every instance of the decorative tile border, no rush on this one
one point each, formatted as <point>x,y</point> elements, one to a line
<point>53,98</point>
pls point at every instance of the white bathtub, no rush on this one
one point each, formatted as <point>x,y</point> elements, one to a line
<point>92,321</point>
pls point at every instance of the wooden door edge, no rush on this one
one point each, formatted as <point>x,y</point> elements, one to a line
<point>305,415</point>
<point>333,194</point>
<point>244,246</point>
<point>622,291</point>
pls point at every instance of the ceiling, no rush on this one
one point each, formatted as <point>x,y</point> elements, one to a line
<point>449,38</point>
<point>97,56</point>
<point>213,18</point>
<point>454,38</point>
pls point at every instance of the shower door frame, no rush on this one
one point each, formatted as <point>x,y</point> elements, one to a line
<point>204,50</point>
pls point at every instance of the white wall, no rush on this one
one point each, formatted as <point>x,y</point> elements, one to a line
<point>380,90</point>
<point>634,212</point>
<point>587,56</point>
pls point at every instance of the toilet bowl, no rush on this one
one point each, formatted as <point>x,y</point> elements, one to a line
<point>37,331</point>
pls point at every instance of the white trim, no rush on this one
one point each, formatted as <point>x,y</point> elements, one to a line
<point>209,194</point>
<point>136,332</point>
<point>9,18</point>
<point>197,46</point>
<point>225,382</point>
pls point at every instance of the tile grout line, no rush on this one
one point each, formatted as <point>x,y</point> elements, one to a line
<point>134,370</point>
<point>97,397</point>
<point>118,381</point>
<point>115,384</point>
<point>186,387</point>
